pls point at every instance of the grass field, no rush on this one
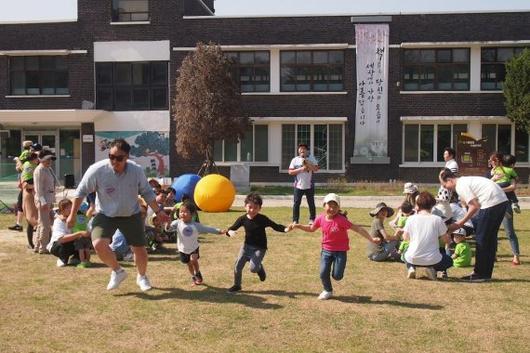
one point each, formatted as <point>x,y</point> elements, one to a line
<point>375,308</point>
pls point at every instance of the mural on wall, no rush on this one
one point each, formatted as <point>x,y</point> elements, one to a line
<point>150,149</point>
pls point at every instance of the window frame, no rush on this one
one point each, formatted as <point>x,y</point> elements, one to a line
<point>239,156</point>
<point>436,68</point>
<point>115,87</point>
<point>40,74</point>
<point>435,151</point>
<point>311,70</point>
<point>238,67</point>
<point>116,13</point>
<point>499,65</point>
<point>312,144</point>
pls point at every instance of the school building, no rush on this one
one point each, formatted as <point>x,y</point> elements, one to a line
<point>375,97</point>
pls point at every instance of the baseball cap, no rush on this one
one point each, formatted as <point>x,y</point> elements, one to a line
<point>332,197</point>
<point>460,231</point>
<point>36,147</point>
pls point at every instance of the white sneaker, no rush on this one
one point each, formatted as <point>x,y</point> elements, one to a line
<point>60,263</point>
<point>143,283</point>
<point>411,273</point>
<point>116,278</point>
<point>325,295</point>
<point>431,273</point>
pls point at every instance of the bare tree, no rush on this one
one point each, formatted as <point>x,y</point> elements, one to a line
<point>207,106</point>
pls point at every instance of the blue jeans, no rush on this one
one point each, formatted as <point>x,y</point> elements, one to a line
<point>248,253</point>
<point>332,263</point>
<point>507,223</point>
<point>443,265</point>
<point>488,222</point>
<point>310,197</point>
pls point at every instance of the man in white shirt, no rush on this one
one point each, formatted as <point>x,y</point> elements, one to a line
<point>302,168</point>
<point>486,198</point>
<point>449,158</point>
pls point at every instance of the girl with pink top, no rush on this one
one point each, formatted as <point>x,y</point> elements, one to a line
<point>335,242</point>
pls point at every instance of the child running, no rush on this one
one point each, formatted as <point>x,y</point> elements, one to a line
<point>335,241</point>
<point>255,246</point>
<point>188,239</point>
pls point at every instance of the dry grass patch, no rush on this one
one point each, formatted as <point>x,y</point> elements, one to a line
<point>49,309</point>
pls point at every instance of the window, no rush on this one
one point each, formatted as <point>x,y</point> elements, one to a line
<point>426,142</point>
<point>436,69</point>
<point>132,86</point>
<point>130,10</point>
<point>325,141</point>
<point>253,148</point>
<point>312,71</point>
<point>252,70</point>
<point>521,146</point>
<point>499,137</point>
<point>38,75</point>
<point>493,69</point>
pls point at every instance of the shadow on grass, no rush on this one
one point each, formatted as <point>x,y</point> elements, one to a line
<point>368,300</point>
<point>210,295</point>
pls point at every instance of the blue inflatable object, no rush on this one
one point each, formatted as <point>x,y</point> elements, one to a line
<point>185,184</point>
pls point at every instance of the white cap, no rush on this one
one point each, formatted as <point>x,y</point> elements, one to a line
<point>332,197</point>
<point>460,231</point>
<point>409,188</point>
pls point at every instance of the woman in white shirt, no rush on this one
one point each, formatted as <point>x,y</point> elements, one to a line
<point>423,231</point>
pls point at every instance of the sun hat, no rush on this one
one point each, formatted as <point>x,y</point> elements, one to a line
<point>332,197</point>
<point>27,144</point>
<point>379,207</point>
<point>409,188</point>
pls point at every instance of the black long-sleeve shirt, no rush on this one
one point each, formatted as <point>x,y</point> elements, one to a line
<point>255,229</point>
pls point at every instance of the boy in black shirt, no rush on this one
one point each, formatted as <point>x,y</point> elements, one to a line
<point>255,245</point>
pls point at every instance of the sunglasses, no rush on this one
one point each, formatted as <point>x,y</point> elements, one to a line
<point>117,158</point>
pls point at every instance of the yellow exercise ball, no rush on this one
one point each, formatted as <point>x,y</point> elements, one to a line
<point>214,193</point>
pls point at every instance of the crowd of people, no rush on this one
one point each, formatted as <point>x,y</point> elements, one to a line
<point>119,214</point>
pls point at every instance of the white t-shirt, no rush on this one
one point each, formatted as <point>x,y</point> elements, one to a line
<point>451,164</point>
<point>188,234</point>
<point>487,192</point>
<point>59,230</point>
<point>424,231</point>
<point>302,180</point>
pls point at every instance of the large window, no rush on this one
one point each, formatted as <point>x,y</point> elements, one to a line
<point>251,70</point>
<point>499,137</point>
<point>38,75</point>
<point>325,140</point>
<point>130,10</point>
<point>307,71</point>
<point>253,148</point>
<point>493,66</point>
<point>426,142</point>
<point>132,86</point>
<point>436,69</point>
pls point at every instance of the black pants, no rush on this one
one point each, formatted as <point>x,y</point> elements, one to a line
<point>64,251</point>
<point>310,196</point>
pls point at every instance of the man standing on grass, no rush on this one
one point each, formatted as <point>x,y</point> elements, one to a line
<point>117,183</point>
<point>486,199</point>
<point>302,168</point>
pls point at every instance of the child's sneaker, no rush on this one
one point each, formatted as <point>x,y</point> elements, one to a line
<point>234,288</point>
<point>197,279</point>
<point>262,274</point>
<point>60,263</point>
<point>116,278</point>
<point>411,273</point>
<point>516,208</point>
<point>83,264</point>
<point>431,273</point>
<point>325,295</point>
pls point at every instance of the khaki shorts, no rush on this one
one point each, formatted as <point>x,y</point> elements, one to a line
<point>132,228</point>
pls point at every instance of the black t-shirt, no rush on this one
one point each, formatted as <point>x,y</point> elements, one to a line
<point>255,229</point>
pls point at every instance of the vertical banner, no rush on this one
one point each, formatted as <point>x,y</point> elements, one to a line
<point>371,115</point>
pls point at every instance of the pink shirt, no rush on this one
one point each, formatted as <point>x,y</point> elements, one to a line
<point>334,232</point>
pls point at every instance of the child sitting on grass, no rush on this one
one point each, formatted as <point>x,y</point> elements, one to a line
<point>188,239</point>
<point>406,211</point>
<point>386,249</point>
<point>255,246</point>
<point>462,254</point>
<point>62,242</point>
<point>335,242</point>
